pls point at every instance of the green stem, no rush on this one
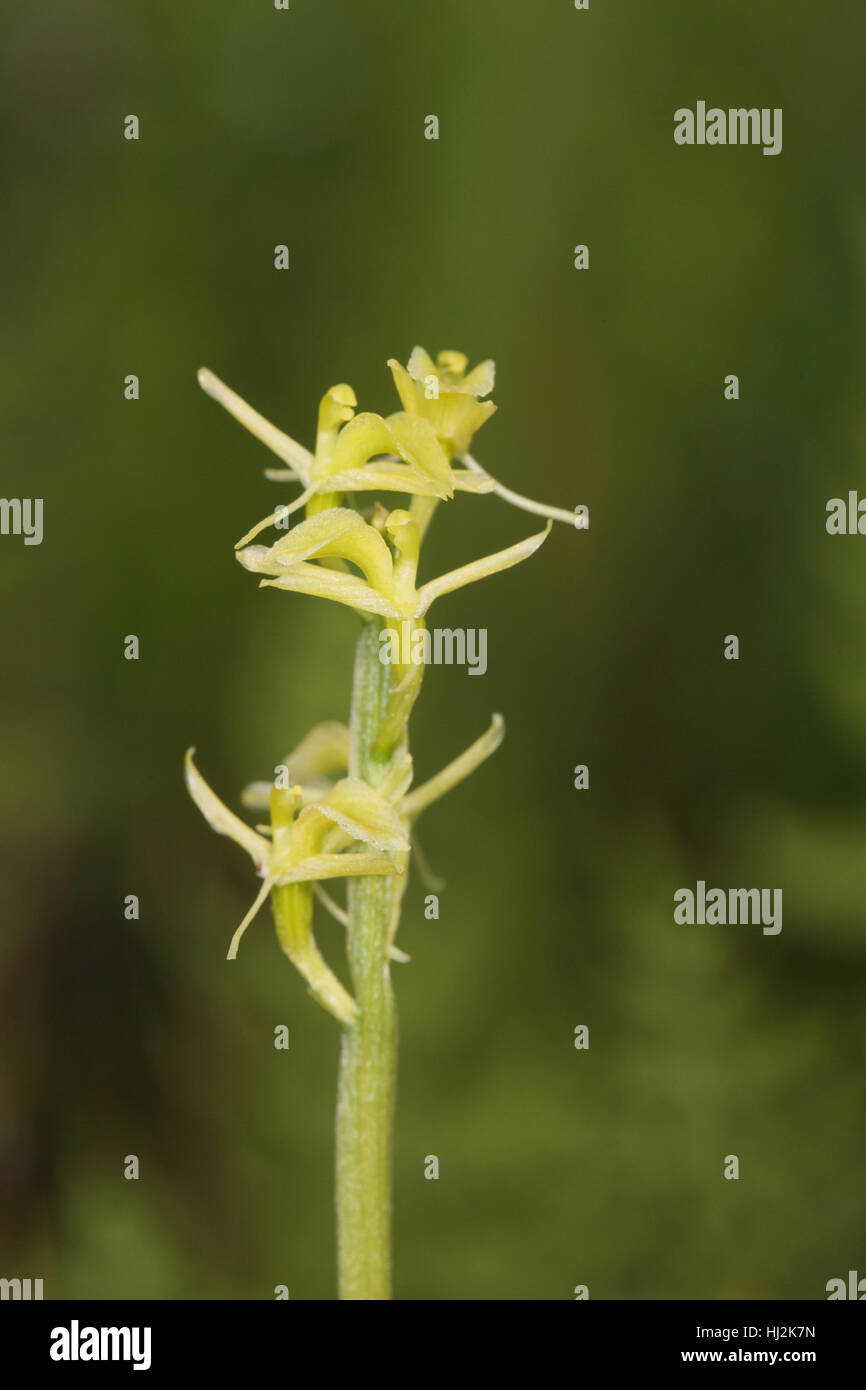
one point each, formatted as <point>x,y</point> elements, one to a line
<point>368,1057</point>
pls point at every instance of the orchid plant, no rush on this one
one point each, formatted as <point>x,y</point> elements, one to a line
<point>343,803</point>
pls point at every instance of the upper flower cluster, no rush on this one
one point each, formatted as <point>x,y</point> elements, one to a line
<point>403,452</point>
<point>411,452</point>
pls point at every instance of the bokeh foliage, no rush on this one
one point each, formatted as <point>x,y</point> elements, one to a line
<point>306,127</point>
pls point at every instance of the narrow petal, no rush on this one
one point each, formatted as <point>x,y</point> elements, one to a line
<point>342,588</point>
<point>320,753</point>
<point>286,448</point>
<point>481,380</point>
<point>328,903</point>
<point>221,819</point>
<point>472,482</point>
<point>390,477</point>
<point>479,569</point>
<point>526,504</point>
<point>406,388</point>
<point>256,796</point>
<point>341,916</point>
<point>423,510</point>
<point>421,364</point>
<point>431,881</point>
<point>260,899</point>
<point>325,749</point>
<point>339,866</point>
<point>398,779</point>
<point>279,515</point>
<point>456,771</point>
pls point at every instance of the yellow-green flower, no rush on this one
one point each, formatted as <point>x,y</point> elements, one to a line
<point>306,841</point>
<point>313,826</point>
<point>354,453</point>
<point>388,588</point>
<point>444,393</point>
<point>325,752</point>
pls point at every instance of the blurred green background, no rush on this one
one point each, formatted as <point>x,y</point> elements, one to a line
<point>558,1167</point>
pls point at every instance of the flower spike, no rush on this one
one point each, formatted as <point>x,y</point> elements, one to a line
<point>342,803</point>
<point>330,824</point>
